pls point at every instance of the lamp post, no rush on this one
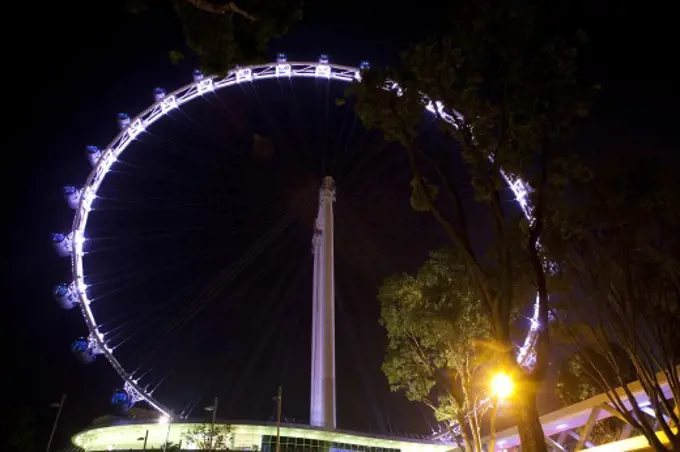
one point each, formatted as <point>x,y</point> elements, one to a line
<point>213,408</point>
<point>56,421</point>
<point>144,438</point>
<point>502,387</point>
<point>279,400</point>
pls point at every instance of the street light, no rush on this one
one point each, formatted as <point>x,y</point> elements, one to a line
<point>212,408</point>
<point>502,388</point>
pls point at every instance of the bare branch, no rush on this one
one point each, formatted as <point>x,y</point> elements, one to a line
<point>224,8</point>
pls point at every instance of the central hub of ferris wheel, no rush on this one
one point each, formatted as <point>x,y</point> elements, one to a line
<point>322,399</point>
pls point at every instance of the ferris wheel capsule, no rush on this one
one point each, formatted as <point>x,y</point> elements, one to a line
<point>65,295</point>
<point>364,65</point>
<point>72,196</point>
<point>86,349</point>
<point>62,243</point>
<point>121,399</point>
<point>93,155</point>
<point>123,120</point>
<point>158,94</point>
<point>81,348</point>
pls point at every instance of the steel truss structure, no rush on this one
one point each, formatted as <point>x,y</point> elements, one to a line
<point>82,199</point>
<point>570,428</point>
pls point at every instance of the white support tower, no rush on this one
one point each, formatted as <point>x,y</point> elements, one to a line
<point>322,400</point>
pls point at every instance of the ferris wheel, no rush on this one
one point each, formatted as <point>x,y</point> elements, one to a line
<point>104,161</point>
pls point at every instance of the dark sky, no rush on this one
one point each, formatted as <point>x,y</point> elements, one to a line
<point>71,66</point>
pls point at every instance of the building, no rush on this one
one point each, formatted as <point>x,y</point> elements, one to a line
<point>246,436</point>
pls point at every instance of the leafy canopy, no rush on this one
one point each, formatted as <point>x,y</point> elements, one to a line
<point>438,337</point>
<point>208,436</point>
<point>223,34</point>
<point>620,254</point>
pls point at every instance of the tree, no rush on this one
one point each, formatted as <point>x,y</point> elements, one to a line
<point>209,437</point>
<point>19,430</point>
<point>169,446</point>
<point>620,256</point>
<point>575,383</point>
<point>516,98</point>
<point>223,34</point>
<point>438,343</point>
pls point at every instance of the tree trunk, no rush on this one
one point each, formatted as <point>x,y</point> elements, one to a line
<point>530,430</point>
<point>465,433</point>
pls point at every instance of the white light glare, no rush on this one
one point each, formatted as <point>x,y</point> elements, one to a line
<point>561,426</point>
<point>164,419</point>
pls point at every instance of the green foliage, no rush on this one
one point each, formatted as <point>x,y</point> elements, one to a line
<point>175,56</point>
<point>436,334</point>
<point>423,194</point>
<point>222,41</point>
<point>19,430</point>
<point>514,98</point>
<point>208,436</point>
<point>519,94</point>
<point>619,251</point>
<point>517,98</point>
<point>223,34</point>
<point>579,380</point>
<point>170,447</point>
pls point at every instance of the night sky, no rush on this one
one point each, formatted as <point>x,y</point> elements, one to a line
<point>195,193</point>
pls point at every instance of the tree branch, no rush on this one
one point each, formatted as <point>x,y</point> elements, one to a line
<point>224,8</point>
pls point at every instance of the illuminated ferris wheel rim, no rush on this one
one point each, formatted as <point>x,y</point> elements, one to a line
<point>132,127</point>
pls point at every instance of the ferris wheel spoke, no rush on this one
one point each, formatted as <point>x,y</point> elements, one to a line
<point>203,299</point>
<point>358,163</point>
<point>269,332</point>
<point>188,163</point>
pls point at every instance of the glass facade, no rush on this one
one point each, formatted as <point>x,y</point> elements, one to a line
<point>291,444</point>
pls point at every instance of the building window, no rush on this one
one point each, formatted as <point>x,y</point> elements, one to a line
<point>292,444</point>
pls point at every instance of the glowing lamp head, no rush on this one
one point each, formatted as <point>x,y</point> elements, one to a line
<point>502,385</point>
